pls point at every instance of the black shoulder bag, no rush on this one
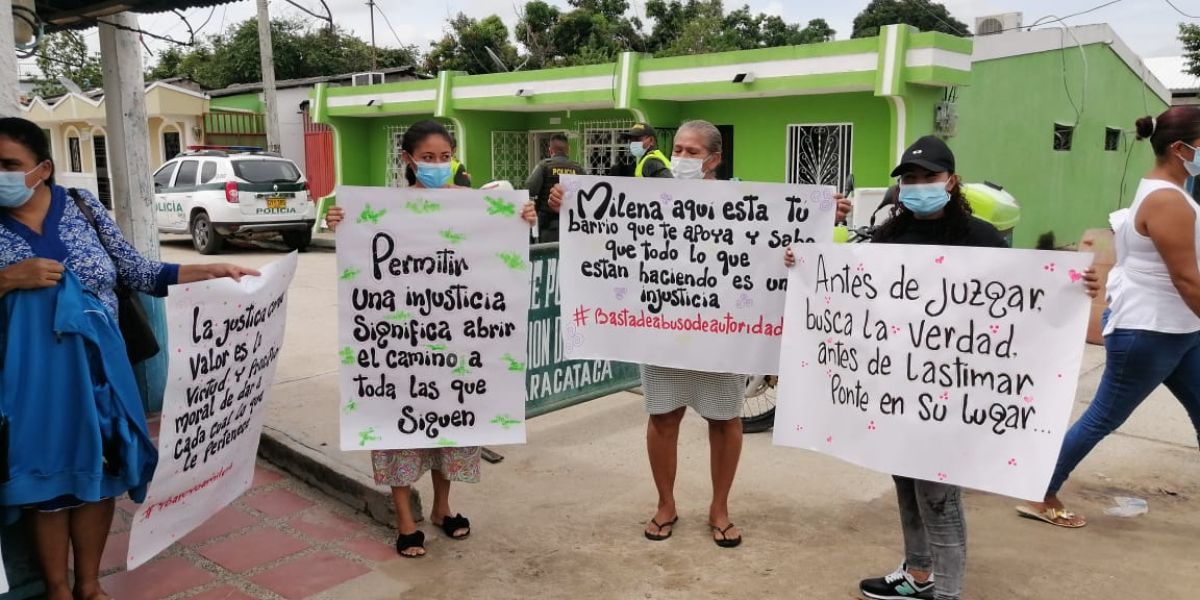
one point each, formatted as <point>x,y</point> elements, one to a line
<point>140,341</point>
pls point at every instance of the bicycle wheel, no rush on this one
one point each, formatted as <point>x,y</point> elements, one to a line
<point>758,408</point>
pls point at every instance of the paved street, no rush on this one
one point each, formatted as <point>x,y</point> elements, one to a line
<point>561,517</point>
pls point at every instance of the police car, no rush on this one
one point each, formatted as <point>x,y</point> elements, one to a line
<point>214,194</point>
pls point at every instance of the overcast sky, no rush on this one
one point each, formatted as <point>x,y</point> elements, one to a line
<point>1148,26</point>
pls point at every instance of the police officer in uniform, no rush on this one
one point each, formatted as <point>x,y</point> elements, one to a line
<point>643,146</point>
<point>543,178</point>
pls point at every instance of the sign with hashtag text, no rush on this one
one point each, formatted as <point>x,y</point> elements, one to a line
<point>684,274</point>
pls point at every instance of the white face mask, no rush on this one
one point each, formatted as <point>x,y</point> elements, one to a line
<point>687,168</point>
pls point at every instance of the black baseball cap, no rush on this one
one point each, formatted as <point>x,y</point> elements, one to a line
<point>639,131</point>
<point>930,153</point>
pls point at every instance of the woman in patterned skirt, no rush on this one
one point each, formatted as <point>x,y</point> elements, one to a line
<point>428,149</point>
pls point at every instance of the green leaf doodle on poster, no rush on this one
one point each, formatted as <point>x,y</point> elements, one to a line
<point>504,421</point>
<point>513,260</point>
<point>498,207</point>
<point>369,215</point>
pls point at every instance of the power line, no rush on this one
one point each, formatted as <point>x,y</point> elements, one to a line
<point>1061,19</point>
<point>1180,11</point>
<point>328,18</point>
<point>389,24</point>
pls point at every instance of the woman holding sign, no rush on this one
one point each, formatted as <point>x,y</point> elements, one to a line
<point>932,211</point>
<point>718,397</point>
<point>428,152</point>
<point>72,429</point>
<point>1152,335</point>
<point>669,392</point>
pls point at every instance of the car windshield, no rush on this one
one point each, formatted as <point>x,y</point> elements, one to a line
<point>266,171</point>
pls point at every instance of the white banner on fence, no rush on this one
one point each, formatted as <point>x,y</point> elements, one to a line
<point>685,274</point>
<point>433,308</point>
<point>946,364</point>
<point>224,339</point>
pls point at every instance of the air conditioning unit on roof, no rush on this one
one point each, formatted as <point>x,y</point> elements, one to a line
<point>993,24</point>
<point>361,79</point>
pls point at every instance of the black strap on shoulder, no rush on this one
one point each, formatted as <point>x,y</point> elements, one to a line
<point>83,207</point>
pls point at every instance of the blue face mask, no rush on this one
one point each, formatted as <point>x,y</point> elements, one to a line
<point>1192,166</point>
<point>433,175</point>
<point>924,199</point>
<point>636,149</point>
<point>13,191</point>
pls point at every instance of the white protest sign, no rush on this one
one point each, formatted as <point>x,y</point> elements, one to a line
<point>224,339</point>
<point>433,311</point>
<point>937,363</point>
<point>685,274</point>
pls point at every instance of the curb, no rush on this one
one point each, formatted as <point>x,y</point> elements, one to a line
<point>312,467</point>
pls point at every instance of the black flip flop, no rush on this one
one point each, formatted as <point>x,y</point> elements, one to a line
<point>408,541</point>
<point>658,537</point>
<point>450,525</point>
<point>725,542</point>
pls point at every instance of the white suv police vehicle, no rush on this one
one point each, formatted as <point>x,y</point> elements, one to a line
<point>212,195</point>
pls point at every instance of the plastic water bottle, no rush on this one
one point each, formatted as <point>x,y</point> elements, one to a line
<point>1128,507</point>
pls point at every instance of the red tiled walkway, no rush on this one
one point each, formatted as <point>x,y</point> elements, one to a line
<point>280,540</point>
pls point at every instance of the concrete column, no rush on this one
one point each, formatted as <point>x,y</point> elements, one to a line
<point>129,170</point>
<point>9,92</point>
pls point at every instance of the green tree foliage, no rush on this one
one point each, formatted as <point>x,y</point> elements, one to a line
<point>300,51</point>
<point>65,54</point>
<point>922,14</point>
<point>1189,36</point>
<point>696,26</point>
<point>474,46</point>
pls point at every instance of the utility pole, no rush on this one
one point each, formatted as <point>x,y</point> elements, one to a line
<point>374,52</point>
<point>8,62</point>
<point>268,76</point>
<point>128,145</point>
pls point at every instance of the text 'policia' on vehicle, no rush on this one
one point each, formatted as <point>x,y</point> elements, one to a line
<point>215,192</point>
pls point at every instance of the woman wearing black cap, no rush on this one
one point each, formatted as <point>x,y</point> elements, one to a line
<point>931,211</point>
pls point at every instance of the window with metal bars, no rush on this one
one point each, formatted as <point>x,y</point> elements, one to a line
<point>820,154</point>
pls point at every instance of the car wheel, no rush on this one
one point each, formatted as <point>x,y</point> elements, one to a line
<point>205,237</point>
<point>297,239</point>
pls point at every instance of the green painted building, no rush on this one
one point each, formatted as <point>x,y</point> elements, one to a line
<point>803,114</point>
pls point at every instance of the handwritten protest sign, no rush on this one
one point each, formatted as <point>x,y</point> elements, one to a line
<point>433,306</point>
<point>945,364</point>
<point>685,274</point>
<point>224,340</point>
<point>553,380</point>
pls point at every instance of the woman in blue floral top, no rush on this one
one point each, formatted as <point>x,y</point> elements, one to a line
<point>42,235</point>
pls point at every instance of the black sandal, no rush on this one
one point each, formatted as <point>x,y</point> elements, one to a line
<point>725,542</point>
<point>408,541</point>
<point>450,525</point>
<point>658,537</point>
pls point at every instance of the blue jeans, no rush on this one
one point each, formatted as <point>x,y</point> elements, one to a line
<point>1138,362</point>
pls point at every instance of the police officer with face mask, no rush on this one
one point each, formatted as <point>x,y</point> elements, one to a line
<point>643,146</point>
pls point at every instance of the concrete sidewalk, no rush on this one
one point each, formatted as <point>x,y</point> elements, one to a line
<point>562,516</point>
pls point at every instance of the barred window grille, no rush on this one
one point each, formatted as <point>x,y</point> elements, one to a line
<point>602,145</point>
<point>510,157</point>
<point>820,154</point>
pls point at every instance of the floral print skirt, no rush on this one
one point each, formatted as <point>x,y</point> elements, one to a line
<point>402,468</point>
